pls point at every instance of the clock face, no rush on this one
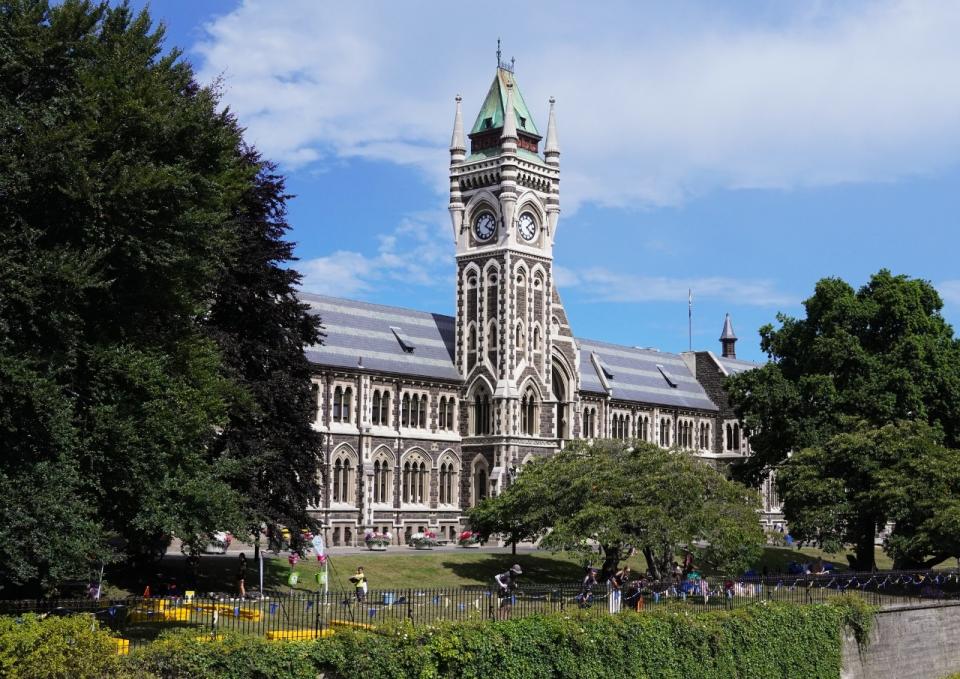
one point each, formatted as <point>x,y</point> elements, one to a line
<point>484,226</point>
<point>527,226</point>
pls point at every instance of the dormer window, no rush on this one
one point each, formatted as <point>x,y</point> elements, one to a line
<point>523,122</point>
<point>487,123</point>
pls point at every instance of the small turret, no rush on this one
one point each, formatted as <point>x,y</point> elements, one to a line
<point>458,144</point>
<point>508,138</point>
<point>551,151</point>
<point>728,340</point>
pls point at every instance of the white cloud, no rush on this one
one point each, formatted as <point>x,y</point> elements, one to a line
<point>950,291</point>
<point>598,284</point>
<point>414,253</point>
<point>655,102</point>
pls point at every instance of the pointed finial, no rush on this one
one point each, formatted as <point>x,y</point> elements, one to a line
<point>458,144</point>
<point>551,150</point>
<point>498,52</point>
<point>509,119</point>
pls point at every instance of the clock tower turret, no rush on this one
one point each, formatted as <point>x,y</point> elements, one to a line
<point>514,346</point>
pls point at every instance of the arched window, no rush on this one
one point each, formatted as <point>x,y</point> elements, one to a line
<point>729,437</point>
<point>450,413</point>
<point>521,341</point>
<point>492,343</point>
<point>529,412</point>
<point>416,480</point>
<point>736,436</point>
<point>536,338</point>
<point>382,479</point>
<point>645,428</point>
<point>338,404</point>
<point>385,408</point>
<point>442,413</point>
<point>472,347</point>
<point>405,411</point>
<point>482,420</point>
<point>423,412</point>
<point>343,478</point>
<point>447,489</point>
<point>479,483</point>
<point>375,415</point>
<point>414,410</point>
<point>347,400</point>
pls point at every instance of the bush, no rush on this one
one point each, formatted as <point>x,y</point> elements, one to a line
<point>763,641</point>
<point>52,647</point>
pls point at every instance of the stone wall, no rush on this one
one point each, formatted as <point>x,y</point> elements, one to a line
<point>907,642</point>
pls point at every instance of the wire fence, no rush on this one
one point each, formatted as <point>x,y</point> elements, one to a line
<point>309,616</point>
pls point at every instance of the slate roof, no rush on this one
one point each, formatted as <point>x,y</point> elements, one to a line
<point>492,108</point>
<point>381,335</point>
<point>640,375</point>
<point>734,366</point>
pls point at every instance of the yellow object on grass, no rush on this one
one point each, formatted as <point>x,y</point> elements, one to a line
<point>298,634</point>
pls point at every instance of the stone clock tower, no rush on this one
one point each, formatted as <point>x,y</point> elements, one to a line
<point>514,345</point>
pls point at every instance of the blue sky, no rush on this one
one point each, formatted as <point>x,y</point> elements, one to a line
<point>742,149</point>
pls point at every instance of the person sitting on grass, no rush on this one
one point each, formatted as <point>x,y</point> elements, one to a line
<point>505,584</point>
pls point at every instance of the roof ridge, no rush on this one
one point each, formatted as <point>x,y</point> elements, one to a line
<point>304,295</point>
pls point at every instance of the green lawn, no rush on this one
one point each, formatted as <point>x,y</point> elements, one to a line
<point>399,568</point>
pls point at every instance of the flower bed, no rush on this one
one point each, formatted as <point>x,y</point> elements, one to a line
<point>376,542</point>
<point>468,539</point>
<point>425,540</point>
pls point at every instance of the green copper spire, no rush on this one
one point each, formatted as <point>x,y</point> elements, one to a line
<point>491,113</point>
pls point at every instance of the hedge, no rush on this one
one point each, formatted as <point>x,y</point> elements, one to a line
<point>762,641</point>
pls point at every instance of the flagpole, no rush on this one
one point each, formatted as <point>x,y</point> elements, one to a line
<point>690,319</point>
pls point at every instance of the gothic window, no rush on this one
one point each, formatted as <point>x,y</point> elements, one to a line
<point>472,347</point>
<point>385,408</point>
<point>736,436</point>
<point>338,404</point>
<point>416,480</point>
<point>665,432</point>
<point>492,299</point>
<point>442,413</point>
<point>315,388</point>
<point>492,343</point>
<point>382,479</point>
<point>479,483</point>
<point>450,413</point>
<point>423,411</point>
<point>405,411</point>
<point>448,483</point>
<point>589,422</point>
<point>343,477</point>
<point>375,415</point>
<point>536,338</point>
<point>729,436</point>
<point>482,421</point>
<point>520,341</point>
<point>645,428</point>
<point>347,400</point>
<point>529,410</point>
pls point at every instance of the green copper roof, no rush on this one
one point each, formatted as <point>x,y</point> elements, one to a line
<point>491,113</point>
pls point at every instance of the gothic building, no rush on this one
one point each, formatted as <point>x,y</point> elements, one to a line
<point>423,414</point>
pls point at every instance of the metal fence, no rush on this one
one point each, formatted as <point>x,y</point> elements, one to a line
<point>307,616</point>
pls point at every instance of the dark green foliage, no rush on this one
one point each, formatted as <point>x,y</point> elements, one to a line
<point>765,641</point>
<point>262,329</point>
<point>866,358</point>
<point>130,214</point>
<point>624,494</point>
<point>56,648</point>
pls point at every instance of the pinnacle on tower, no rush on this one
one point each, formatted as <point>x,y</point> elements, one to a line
<point>551,151</point>
<point>458,144</point>
<point>728,339</point>
<point>509,118</point>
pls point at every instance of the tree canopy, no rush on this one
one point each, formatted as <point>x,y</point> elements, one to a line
<point>877,355</point>
<point>865,385</point>
<point>630,494</point>
<point>130,210</point>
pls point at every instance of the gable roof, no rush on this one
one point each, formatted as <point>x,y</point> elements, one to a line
<point>491,113</point>
<point>640,375</point>
<point>734,366</point>
<point>385,338</point>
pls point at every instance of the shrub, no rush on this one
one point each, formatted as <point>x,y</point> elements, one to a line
<point>762,641</point>
<point>70,647</point>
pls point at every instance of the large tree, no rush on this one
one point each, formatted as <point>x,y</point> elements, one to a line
<point>877,355</point>
<point>634,494</point>
<point>870,357</point>
<point>262,329</point>
<point>847,489</point>
<point>130,210</point>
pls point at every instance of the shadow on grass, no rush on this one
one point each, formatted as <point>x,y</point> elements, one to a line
<point>537,569</point>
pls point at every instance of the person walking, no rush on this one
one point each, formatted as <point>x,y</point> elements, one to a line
<point>505,583</point>
<point>359,581</point>
<point>242,576</point>
<point>615,585</point>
